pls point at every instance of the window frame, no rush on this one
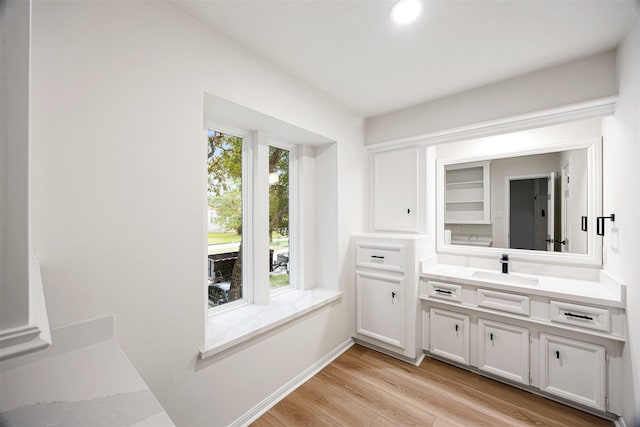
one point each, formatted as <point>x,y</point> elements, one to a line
<point>294,219</point>
<point>254,161</point>
<point>247,218</point>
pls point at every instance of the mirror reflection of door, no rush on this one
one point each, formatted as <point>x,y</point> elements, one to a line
<point>565,202</point>
<point>531,213</point>
<point>551,211</point>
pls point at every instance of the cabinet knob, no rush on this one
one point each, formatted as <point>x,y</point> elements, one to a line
<point>456,328</point>
<point>557,354</point>
<point>408,211</point>
<point>491,336</point>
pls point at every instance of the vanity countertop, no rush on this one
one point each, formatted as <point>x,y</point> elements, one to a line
<point>605,292</point>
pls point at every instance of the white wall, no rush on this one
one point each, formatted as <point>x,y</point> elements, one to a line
<point>118,180</point>
<point>621,175</point>
<point>577,81</point>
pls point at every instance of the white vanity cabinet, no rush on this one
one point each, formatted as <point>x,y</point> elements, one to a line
<point>555,337</point>
<point>573,369</point>
<point>398,190</point>
<point>387,303</point>
<point>503,350</point>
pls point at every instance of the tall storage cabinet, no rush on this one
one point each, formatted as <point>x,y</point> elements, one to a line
<point>387,303</point>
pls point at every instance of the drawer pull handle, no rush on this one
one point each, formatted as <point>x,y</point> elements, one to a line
<point>456,328</point>
<point>377,256</point>
<point>557,354</point>
<point>440,291</point>
<point>579,316</point>
<point>491,336</point>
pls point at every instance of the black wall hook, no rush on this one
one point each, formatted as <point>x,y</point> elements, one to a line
<point>600,223</point>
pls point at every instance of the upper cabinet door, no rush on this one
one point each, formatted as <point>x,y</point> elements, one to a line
<point>397,202</point>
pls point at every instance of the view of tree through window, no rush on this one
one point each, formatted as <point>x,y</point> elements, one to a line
<point>279,217</point>
<point>225,200</point>
<point>224,217</point>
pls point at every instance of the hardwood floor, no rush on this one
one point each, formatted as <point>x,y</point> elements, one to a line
<point>366,388</point>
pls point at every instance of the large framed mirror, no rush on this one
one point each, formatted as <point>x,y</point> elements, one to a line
<point>539,203</point>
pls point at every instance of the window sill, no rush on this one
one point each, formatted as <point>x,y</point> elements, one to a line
<point>251,320</point>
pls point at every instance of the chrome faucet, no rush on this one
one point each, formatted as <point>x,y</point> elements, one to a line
<point>504,260</point>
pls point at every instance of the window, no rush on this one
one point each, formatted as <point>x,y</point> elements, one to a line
<point>224,217</point>
<point>249,222</point>
<point>279,254</point>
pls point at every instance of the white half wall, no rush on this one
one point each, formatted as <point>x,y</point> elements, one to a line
<point>621,175</point>
<point>15,17</point>
<point>583,80</point>
<point>119,172</point>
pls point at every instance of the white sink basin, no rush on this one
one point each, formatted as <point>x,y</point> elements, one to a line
<point>505,278</point>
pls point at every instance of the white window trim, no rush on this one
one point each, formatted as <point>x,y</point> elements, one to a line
<point>247,218</point>
<point>255,218</point>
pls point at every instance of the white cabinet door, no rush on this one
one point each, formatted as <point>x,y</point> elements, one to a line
<point>504,350</point>
<point>573,369</point>
<point>449,335</point>
<point>396,198</point>
<point>380,307</point>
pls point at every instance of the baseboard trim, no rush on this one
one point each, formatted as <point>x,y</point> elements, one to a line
<point>415,362</point>
<point>20,341</point>
<point>262,407</point>
<point>67,338</point>
<point>619,422</point>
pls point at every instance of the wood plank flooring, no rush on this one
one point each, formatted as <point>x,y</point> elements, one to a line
<point>366,388</point>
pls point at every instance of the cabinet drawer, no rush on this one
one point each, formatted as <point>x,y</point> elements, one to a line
<point>580,315</point>
<point>388,257</point>
<point>447,291</point>
<point>511,303</point>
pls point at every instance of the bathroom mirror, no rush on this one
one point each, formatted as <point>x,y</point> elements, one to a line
<point>541,202</point>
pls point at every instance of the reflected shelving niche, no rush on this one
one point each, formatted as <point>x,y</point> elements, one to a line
<point>467,195</point>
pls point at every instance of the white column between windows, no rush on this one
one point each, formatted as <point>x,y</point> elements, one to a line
<point>260,232</point>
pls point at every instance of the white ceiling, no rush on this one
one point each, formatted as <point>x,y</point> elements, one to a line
<point>351,50</point>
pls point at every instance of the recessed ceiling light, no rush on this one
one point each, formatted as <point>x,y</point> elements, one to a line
<point>406,11</point>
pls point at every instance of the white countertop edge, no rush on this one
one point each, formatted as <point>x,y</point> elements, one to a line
<point>284,308</point>
<point>614,291</point>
